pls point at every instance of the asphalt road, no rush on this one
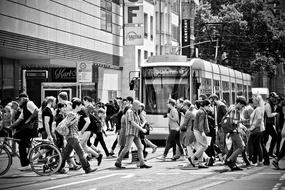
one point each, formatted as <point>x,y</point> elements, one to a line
<point>163,175</point>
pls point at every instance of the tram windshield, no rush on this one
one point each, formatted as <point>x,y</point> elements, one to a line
<point>161,83</point>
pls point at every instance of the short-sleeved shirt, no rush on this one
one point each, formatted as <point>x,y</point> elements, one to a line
<point>73,128</point>
<point>82,121</point>
<point>130,129</point>
<point>47,113</point>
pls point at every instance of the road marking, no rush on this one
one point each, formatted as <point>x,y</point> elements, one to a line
<point>269,173</point>
<point>209,185</point>
<point>144,180</point>
<point>167,173</point>
<point>128,176</point>
<point>88,180</point>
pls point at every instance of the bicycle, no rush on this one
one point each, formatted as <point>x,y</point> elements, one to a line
<point>45,158</point>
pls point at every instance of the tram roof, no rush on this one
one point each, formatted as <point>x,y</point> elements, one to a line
<point>195,63</point>
<point>167,60</point>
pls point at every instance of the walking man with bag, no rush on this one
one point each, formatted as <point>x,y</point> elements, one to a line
<point>26,128</point>
<point>237,147</point>
<point>132,135</point>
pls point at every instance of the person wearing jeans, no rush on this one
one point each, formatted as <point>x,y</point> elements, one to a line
<point>281,153</point>
<point>237,143</point>
<point>270,116</point>
<point>174,129</point>
<point>72,138</point>
<point>26,128</point>
<point>201,126</point>
<point>132,135</point>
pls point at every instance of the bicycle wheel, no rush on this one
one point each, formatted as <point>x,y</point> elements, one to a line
<point>5,160</point>
<point>45,159</point>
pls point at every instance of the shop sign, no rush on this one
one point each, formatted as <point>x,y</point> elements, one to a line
<point>64,75</point>
<point>134,35</point>
<point>134,20</point>
<point>186,37</point>
<point>84,71</point>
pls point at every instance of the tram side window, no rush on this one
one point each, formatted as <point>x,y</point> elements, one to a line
<point>226,91</point>
<point>217,87</point>
<point>233,92</point>
<point>206,86</point>
<point>239,89</point>
<point>245,91</point>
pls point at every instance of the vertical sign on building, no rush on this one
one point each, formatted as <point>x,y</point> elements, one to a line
<point>186,37</point>
<point>134,19</point>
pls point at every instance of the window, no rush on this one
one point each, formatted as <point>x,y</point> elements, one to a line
<point>112,94</point>
<point>174,32</point>
<point>139,57</point>
<point>151,28</point>
<point>145,26</point>
<point>106,15</point>
<point>145,54</point>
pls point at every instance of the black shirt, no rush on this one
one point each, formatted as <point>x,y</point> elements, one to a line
<point>47,112</point>
<point>82,121</point>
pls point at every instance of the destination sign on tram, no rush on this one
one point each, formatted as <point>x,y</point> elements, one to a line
<point>165,71</point>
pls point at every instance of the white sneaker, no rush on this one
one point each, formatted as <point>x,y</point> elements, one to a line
<point>25,168</point>
<point>161,158</point>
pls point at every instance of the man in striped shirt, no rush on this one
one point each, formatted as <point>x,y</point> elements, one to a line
<point>132,135</point>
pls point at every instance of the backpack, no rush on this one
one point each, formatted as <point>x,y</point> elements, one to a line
<point>95,124</point>
<point>227,123</point>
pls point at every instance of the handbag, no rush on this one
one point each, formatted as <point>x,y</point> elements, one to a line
<point>62,128</point>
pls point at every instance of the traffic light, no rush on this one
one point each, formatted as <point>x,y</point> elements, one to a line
<point>132,84</point>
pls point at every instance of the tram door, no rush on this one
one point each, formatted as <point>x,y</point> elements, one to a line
<point>33,80</point>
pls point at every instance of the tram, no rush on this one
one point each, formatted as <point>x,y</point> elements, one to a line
<point>175,76</point>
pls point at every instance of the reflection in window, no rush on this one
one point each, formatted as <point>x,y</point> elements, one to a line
<point>106,15</point>
<point>160,84</point>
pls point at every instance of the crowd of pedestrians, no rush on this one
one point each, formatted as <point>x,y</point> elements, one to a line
<point>86,121</point>
<point>196,131</point>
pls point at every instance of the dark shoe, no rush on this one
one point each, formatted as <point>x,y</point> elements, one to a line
<point>118,165</point>
<point>236,168</point>
<point>190,160</point>
<point>275,164</point>
<point>174,158</point>
<point>112,153</point>
<point>210,162</point>
<point>99,159</point>
<point>145,166</point>
<point>90,170</point>
<point>203,166</point>
<point>266,163</point>
<point>62,171</point>
<point>88,157</point>
<point>74,168</point>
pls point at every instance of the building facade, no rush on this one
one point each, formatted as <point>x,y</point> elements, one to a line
<point>45,43</point>
<point>158,22</point>
<point>42,43</point>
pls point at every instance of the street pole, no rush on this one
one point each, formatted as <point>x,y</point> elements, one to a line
<point>217,48</point>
